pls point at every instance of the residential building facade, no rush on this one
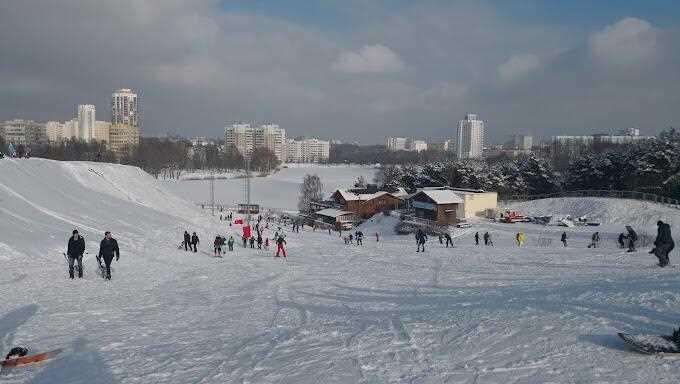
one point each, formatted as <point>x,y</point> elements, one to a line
<point>307,151</point>
<point>245,138</point>
<point>470,137</point>
<point>86,122</point>
<point>20,131</point>
<point>123,138</point>
<point>125,108</point>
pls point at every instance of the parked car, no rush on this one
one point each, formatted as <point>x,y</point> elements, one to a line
<point>463,225</point>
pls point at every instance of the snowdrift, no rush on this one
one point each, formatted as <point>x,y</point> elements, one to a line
<point>608,211</point>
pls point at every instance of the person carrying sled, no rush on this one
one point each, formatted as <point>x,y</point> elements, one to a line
<point>447,236</point>
<point>421,238</point>
<point>632,238</point>
<point>563,239</point>
<point>76,248</point>
<point>187,241</point>
<point>107,249</point>
<point>194,241</point>
<point>663,244</point>
<point>280,241</point>
<point>230,243</point>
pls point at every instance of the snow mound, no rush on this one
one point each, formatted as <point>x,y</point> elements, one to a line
<point>380,224</point>
<point>607,211</point>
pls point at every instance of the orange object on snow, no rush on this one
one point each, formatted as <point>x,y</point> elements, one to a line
<point>23,360</point>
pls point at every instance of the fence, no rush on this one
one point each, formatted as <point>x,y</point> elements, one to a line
<point>633,195</point>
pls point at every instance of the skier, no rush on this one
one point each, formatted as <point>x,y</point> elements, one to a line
<point>595,239</point>
<point>187,241</point>
<point>632,238</point>
<point>280,241</point>
<point>194,241</point>
<point>421,237</point>
<point>563,239</point>
<point>663,244</point>
<point>230,243</point>
<point>622,237</point>
<point>448,239</point>
<point>477,239</point>
<point>218,245</point>
<point>107,248</point>
<point>76,248</point>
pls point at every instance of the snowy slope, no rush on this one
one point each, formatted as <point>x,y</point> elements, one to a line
<point>619,212</point>
<point>330,313</point>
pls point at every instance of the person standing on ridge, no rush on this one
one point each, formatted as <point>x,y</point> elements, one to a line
<point>194,241</point>
<point>107,249</point>
<point>76,248</point>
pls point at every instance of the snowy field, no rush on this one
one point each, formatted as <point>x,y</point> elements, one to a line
<point>280,190</point>
<point>330,313</point>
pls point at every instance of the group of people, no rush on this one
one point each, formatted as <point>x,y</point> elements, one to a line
<point>220,242</point>
<point>108,249</point>
<point>487,238</point>
<point>358,236</point>
<point>190,242</point>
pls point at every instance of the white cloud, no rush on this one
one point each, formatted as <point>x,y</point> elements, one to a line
<point>518,66</point>
<point>628,41</point>
<point>369,59</point>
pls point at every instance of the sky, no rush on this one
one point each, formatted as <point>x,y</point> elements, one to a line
<point>348,69</point>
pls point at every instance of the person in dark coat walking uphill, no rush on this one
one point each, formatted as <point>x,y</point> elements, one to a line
<point>187,240</point>
<point>76,248</point>
<point>421,237</point>
<point>632,238</point>
<point>107,249</point>
<point>194,241</point>
<point>663,244</point>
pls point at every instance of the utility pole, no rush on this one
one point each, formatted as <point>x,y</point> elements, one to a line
<point>212,191</point>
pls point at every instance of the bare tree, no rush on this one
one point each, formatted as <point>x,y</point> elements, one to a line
<point>311,190</point>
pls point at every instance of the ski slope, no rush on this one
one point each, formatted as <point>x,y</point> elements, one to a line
<point>330,313</point>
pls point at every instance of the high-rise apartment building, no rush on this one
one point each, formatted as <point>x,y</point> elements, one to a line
<point>125,108</point>
<point>86,122</point>
<point>246,138</point>
<point>470,137</point>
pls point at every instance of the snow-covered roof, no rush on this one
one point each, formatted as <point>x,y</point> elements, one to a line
<point>351,196</point>
<point>442,196</point>
<point>332,212</point>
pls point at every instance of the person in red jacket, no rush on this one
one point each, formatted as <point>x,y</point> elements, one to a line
<point>280,241</point>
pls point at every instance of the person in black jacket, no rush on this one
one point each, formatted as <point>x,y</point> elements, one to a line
<point>632,238</point>
<point>663,244</point>
<point>194,241</point>
<point>76,248</point>
<point>187,240</point>
<point>107,248</point>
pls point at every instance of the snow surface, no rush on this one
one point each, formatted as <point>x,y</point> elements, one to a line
<point>330,313</point>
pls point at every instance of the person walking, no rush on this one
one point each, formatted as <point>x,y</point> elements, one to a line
<point>421,238</point>
<point>563,239</point>
<point>632,238</point>
<point>259,241</point>
<point>107,249</point>
<point>194,241</point>
<point>377,237</point>
<point>252,242</point>
<point>477,239</point>
<point>486,238</point>
<point>594,240</point>
<point>218,245</point>
<point>230,243</point>
<point>447,236</point>
<point>663,244</point>
<point>187,241</point>
<point>75,250</point>
<point>360,238</point>
<point>280,241</point>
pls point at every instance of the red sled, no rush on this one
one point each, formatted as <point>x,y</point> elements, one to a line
<point>238,221</point>
<point>30,359</point>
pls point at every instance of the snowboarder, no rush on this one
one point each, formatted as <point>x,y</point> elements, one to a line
<point>563,239</point>
<point>632,238</point>
<point>194,241</point>
<point>421,237</point>
<point>595,240</point>
<point>107,249</point>
<point>187,241</point>
<point>663,244</point>
<point>477,239</point>
<point>230,243</point>
<point>76,248</point>
<point>448,239</point>
<point>280,241</point>
<point>622,243</point>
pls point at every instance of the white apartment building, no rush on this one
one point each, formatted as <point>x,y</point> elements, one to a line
<point>125,108</point>
<point>20,131</point>
<point>418,145</point>
<point>470,137</point>
<point>246,138</point>
<point>86,122</point>
<point>396,143</point>
<point>307,151</point>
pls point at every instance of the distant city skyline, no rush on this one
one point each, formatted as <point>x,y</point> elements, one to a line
<point>329,69</point>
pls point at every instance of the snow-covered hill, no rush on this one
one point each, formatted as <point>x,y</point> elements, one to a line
<point>330,313</point>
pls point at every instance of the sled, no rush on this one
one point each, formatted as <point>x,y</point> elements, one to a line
<point>650,344</point>
<point>29,359</point>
